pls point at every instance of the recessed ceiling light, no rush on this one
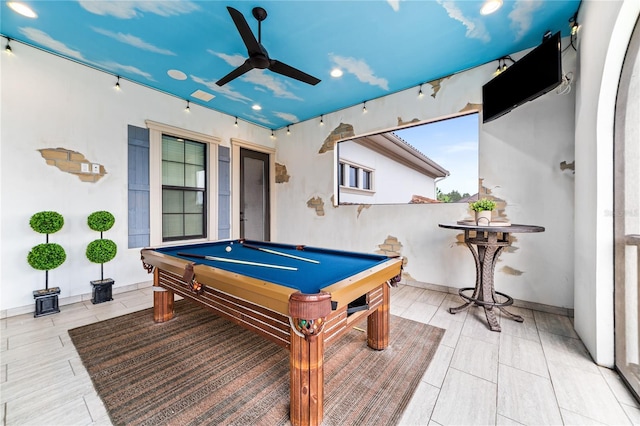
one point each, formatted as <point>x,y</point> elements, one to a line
<point>336,72</point>
<point>256,107</point>
<point>490,6</point>
<point>177,74</point>
<point>22,9</point>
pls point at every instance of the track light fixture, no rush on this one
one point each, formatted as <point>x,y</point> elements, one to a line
<point>117,86</point>
<point>188,109</point>
<point>502,65</point>
<point>364,106</point>
<point>7,48</point>
<point>575,27</point>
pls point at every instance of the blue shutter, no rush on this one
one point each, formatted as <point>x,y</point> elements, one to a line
<point>138,169</point>
<point>224,193</point>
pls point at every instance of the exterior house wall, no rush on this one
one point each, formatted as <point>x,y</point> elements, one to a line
<point>393,182</point>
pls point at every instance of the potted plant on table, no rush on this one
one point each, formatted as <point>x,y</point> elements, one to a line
<point>45,257</point>
<point>483,209</point>
<point>101,251</point>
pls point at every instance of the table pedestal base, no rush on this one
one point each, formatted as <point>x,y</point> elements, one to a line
<point>488,248</point>
<point>487,306</point>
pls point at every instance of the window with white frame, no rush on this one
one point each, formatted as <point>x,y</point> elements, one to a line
<point>184,189</point>
<point>184,194</point>
<point>355,176</point>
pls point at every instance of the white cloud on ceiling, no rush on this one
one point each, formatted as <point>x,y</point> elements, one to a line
<point>233,60</point>
<point>114,66</point>
<point>260,118</point>
<point>475,27</point>
<point>395,4</point>
<point>133,9</point>
<point>286,116</point>
<point>360,69</point>
<point>265,79</point>
<point>522,15</point>
<point>43,39</point>
<point>133,41</point>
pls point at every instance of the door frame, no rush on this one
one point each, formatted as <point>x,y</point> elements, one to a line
<point>236,145</point>
<point>625,237</point>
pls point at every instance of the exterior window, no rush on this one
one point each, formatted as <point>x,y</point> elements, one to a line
<point>353,176</point>
<point>366,179</point>
<point>184,189</point>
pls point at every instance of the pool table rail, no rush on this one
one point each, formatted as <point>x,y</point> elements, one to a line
<point>269,295</point>
<point>345,291</point>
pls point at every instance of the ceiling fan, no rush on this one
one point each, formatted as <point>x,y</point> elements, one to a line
<point>258,56</point>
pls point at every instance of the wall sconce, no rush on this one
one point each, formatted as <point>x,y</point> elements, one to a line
<point>364,107</point>
<point>322,120</point>
<point>117,86</point>
<point>273,136</point>
<point>7,48</point>
<point>420,94</point>
<point>236,123</point>
<point>187,109</point>
<point>288,130</point>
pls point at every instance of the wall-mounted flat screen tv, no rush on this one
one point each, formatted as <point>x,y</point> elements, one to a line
<point>536,73</point>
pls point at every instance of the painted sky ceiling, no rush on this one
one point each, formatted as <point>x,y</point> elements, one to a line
<point>183,47</point>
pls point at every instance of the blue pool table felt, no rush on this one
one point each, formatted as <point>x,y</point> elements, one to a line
<point>310,278</point>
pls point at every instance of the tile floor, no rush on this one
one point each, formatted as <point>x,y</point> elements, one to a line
<point>533,373</point>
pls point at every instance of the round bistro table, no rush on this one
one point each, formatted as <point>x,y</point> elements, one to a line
<point>489,241</point>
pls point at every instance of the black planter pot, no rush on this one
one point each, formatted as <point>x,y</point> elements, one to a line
<point>102,290</point>
<point>46,301</point>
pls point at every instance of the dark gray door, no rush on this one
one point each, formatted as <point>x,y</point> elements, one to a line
<point>254,195</point>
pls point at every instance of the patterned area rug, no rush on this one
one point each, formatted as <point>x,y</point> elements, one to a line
<point>201,369</point>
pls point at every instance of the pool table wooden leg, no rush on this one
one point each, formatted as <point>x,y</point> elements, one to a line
<point>162,301</point>
<point>378,322</point>
<point>307,379</point>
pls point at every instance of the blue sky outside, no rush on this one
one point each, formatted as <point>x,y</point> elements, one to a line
<point>452,143</point>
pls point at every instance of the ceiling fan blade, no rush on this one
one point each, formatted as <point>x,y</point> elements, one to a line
<point>289,71</point>
<point>235,73</point>
<point>245,32</point>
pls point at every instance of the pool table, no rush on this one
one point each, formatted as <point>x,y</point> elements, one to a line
<point>299,297</point>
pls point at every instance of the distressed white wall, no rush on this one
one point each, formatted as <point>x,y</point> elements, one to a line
<point>520,156</point>
<point>48,102</point>
<point>603,40</point>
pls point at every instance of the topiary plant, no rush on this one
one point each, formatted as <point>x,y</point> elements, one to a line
<point>103,250</point>
<point>484,204</point>
<point>46,222</point>
<point>101,221</point>
<point>45,257</point>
